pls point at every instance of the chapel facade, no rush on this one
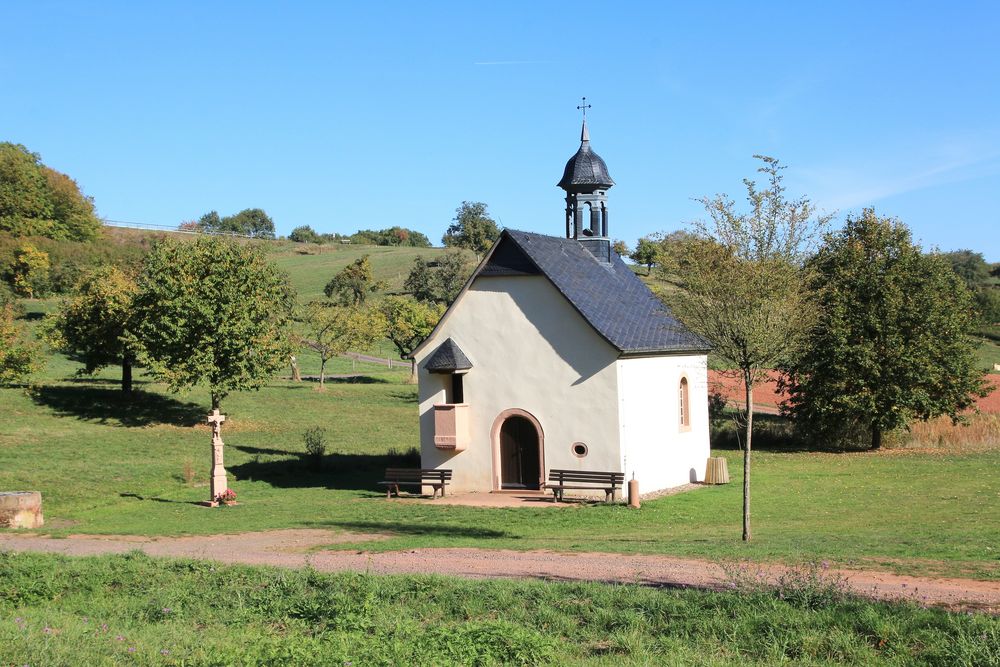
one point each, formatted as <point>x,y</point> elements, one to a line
<point>556,355</point>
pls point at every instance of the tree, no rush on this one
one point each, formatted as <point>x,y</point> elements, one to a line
<point>739,283</point>
<point>472,229</point>
<point>969,266</point>
<point>988,304</point>
<point>354,283</point>
<point>891,344</point>
<point>71,209</point>
<point>409,322</point>
<point>28,273</point>
<point>18,359</point>
<point>36,200</point>
<point>645,253</point>
<point>304,234</point>
<point>252,222</point>
<point>438,282</point>
<point>212,311</point>
<point>94,325</point>
<point>621,248</point>
<point>333,330</point>
<point>393,236</point>
<point>976,272</point>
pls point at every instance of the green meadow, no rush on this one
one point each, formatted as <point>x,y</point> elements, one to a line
<point>109,466</point>
<point>132,609</point>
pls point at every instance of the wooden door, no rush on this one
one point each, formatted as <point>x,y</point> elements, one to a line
<point>520,462</point>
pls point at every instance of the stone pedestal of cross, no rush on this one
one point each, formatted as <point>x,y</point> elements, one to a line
<point>218,474</point>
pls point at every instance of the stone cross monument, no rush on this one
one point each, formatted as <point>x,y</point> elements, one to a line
<point>218,474</point>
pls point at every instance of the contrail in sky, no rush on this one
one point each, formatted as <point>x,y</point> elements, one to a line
<point>511,62</point>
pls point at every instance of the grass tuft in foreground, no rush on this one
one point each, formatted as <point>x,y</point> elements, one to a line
<point>132,608</point>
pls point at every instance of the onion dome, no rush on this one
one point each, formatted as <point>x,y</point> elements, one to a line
<point>585,171</point>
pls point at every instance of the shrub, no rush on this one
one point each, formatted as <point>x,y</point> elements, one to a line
<point>315,439</point>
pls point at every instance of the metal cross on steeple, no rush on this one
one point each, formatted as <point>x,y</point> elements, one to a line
<point>584,106</point>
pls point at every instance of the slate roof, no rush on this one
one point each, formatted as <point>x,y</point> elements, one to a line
<point>609,296</point>
<point>586,170</point>
<point>448,358</point>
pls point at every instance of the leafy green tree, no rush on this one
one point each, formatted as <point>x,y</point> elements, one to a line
<point>472,229</point>
<point>438,282</point>
<point>891,344</point>
<point>621,248</point>
<point>212,311</point>
<point>253,222</point>
<point>304,234</point>
<point>94,325</point>
<point>352,285</point>
<point>988,304</point>
<point>18,359</point>
<point>28,273</point>
<point>969,266</point>
<point>645,253</point>
<point>977,274</point>
<point>211,222</point>
<point>393,236</point>
<point>740,284</point>
<point>71,209</point>
<point>36,200</point>
<point>409,322</point>
<point>334,330</point>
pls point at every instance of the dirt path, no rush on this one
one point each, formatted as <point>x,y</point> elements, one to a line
<point>298,548</point>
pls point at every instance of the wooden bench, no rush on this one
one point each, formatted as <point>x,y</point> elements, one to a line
<point>419,477</point>
<point>560,480</point>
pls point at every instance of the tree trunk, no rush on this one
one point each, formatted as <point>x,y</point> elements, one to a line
<point>322,372</point>
<point>413,371</point>
<point>748,386</point>
<point>296,375</point>
<point>216,401</point>
<point>876,436</point>
<point>126,374</point>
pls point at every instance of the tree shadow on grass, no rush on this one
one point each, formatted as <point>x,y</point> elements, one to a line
<point>345,379</point>
<point>107,406</point>
<point>353,472</point>
<point>397,528</point>
<point>136,496</point>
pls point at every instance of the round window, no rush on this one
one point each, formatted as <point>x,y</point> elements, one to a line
<point>579,450</point>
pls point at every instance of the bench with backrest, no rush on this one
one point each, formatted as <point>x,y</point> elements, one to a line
<point>419,477</point>
<point>560,480</point>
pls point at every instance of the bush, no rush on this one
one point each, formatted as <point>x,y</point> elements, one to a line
<point>69,261</point>
<point>304,234</point>
<point>315,439</point>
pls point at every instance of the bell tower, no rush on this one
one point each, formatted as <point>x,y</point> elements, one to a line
<point>586,182</point>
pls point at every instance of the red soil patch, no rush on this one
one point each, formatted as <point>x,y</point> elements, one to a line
<point>766,397</point>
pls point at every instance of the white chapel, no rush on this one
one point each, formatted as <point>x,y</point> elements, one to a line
<point>556,356</point>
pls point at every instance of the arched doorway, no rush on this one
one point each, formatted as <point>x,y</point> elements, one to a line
<point>517,451</point>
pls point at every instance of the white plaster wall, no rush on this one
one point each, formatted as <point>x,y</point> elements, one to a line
<point>654,447</point>
<point>530,350</point>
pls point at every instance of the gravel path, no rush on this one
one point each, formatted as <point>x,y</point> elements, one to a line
<point>302,547</point>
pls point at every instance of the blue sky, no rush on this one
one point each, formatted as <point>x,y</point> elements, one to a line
<point>366,115</point>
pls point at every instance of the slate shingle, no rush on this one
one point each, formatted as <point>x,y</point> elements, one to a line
<point>448,358</point>
<point>615,302</point>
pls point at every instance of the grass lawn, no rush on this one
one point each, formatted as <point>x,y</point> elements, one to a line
<point>107,466</point>
<point>137,610</point>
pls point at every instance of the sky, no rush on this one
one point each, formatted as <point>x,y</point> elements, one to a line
<point>368,115</point>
